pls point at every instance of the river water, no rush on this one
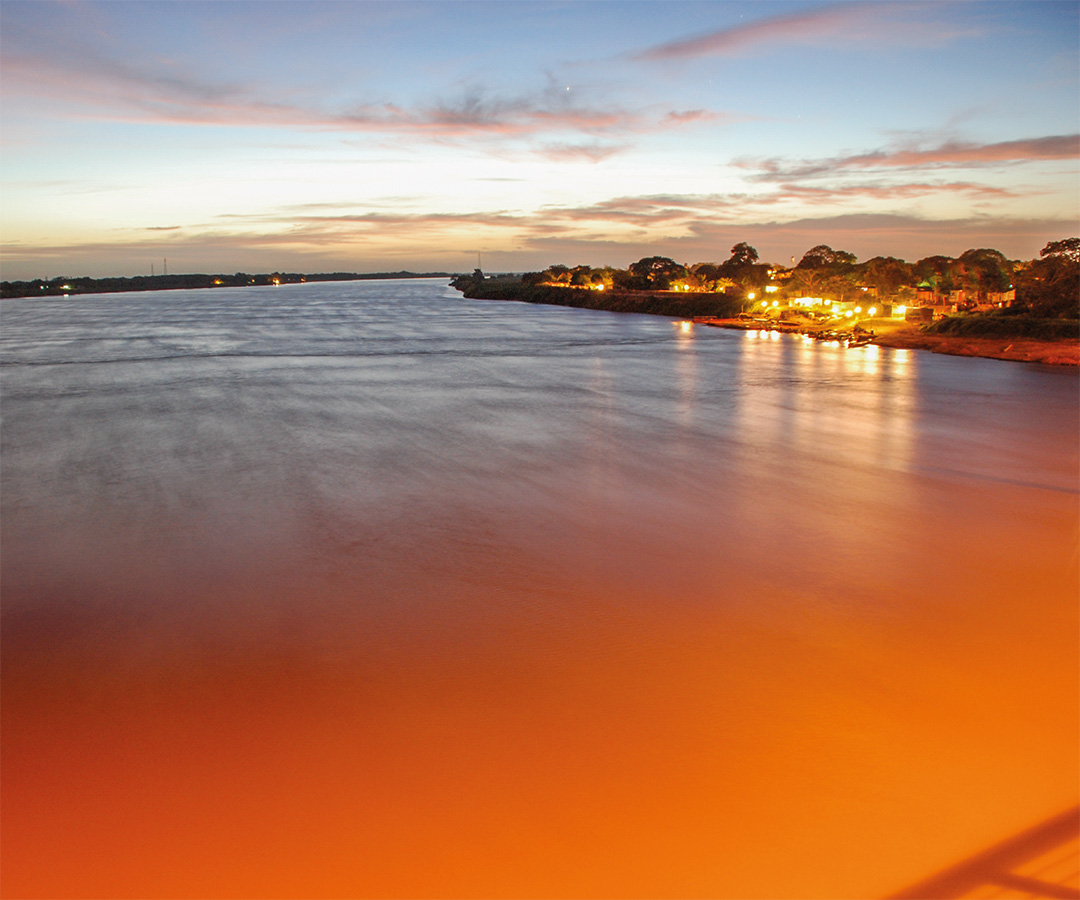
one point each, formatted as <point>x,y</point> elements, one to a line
<point>365,589</point>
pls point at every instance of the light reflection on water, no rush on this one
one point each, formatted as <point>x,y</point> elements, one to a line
<point>365,589</point>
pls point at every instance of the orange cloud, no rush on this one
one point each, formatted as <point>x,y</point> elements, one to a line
<point>591,152</point>
<point>952,154</point>
<point>853,22</point>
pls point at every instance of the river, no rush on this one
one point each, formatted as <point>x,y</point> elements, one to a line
<point>366,589</point>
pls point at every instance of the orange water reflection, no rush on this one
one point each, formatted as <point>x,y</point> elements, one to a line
<point>827,676</point>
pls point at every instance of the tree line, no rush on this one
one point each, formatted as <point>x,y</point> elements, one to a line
<point>65,285</point>
<point>1048,286</point>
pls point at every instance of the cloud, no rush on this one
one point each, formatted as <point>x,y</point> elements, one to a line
<point>854,22</point>
<point>591,152</point>
<point>866,235</point>
<point>97,87</point>
<point>523,242</point>
<point>888,191</point>
<point>690,115</point>
<point>687,210</point>
<point>951,154</point>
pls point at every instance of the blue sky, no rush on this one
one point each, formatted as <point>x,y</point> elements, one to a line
<point>236,136</point>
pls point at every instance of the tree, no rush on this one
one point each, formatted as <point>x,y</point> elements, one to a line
<point>1050,286</point>
<point>937,272</point>
<point>823,256</point>
<point>740,268</point>
<point>657,272</point>
<point>558,274</point>
<point>742,254</point>
<point>984,271</point>
<point>712,277</point>
<point>581,276</point>
<point>1068,247</point>
<point>886,273</point>
<point>808,280</point>
<point>838,287</point>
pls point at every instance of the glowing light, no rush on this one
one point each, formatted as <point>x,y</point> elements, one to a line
<point>899,311</point>
<point>686,326</point>
<point>872,311</point>
<point>776,303</point>
<point>764,302</point>
<point>858,309</point>
<point>599,287</point>
<point>751,296</point>
<point>771,288</point>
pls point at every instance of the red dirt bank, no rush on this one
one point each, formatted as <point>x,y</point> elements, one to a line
<point>900,335</point>
<point>1052,353</point>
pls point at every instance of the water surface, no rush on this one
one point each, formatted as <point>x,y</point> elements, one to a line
<point>364,589</point>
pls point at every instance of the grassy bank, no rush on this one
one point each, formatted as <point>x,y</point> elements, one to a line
<point>1022,326</point>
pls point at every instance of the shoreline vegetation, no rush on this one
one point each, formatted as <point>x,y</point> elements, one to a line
<point>64,286</point>
<point>980,304</point>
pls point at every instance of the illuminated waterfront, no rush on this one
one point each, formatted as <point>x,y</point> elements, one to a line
<point>368,590</point>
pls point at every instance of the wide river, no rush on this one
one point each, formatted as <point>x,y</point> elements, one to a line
<point>365,589</point>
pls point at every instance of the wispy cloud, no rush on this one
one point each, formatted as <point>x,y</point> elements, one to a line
<point>593,152</point>
<point>910,237</point>
<point>951,154</point>
<point>98,87</point>
<point>889,191</point>
<point>854,23</point>
<point>684,211</point>
<point>684,117</point>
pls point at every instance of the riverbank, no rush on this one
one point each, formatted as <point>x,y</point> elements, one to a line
<point>905,336</point>
<point>719,311</point>
<point>654,303</point>
<point>1052,353</point>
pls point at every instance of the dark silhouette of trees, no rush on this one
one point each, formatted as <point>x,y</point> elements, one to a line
<point>823,270</point>
<point>824,257</point>
<point>712,277</point>
<point>936,272</point>
<point>742,254</point>
<point>1068,247</point>
<point>984,271</point>
<point>559,274</point>
<point>885,273</point>
<point>657,272</point>
<point>740,267</point>
<point>1050,286</point>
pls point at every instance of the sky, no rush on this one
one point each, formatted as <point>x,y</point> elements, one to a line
<point>352,136</point>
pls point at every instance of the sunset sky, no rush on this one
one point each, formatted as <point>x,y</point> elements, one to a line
<point>313,137</point>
